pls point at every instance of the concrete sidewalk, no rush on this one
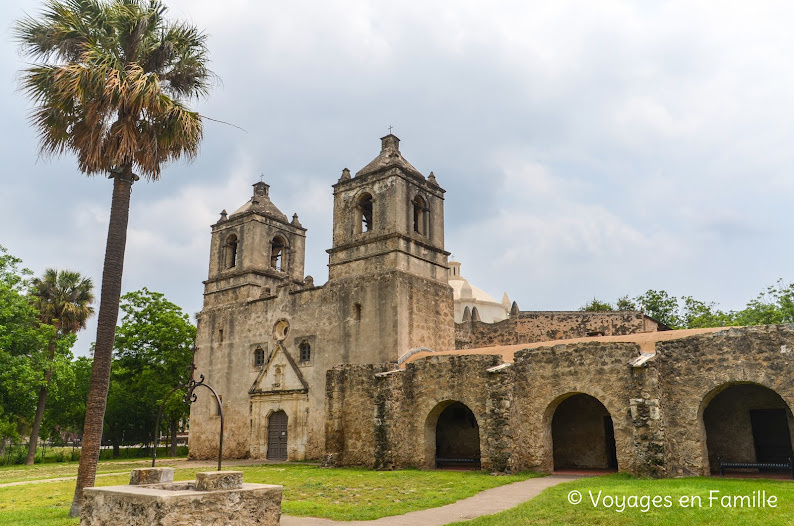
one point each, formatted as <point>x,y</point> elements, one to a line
<point>486,502</point>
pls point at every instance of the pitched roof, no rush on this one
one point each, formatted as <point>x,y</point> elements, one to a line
<point>260,202</point>
<point>389,157</point>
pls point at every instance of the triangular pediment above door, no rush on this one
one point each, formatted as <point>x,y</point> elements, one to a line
<point>279,375</point>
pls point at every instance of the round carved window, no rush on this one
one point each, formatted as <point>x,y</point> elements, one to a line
<point>281,330</point>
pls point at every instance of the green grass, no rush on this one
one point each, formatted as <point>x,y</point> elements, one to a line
<point>342,493</point>
<point>552,507</point>
<point>362,494</point>
<point>69,469</point>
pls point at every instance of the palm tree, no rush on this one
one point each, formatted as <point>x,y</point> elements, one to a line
<point>109,86</point>
<point>63,300</point>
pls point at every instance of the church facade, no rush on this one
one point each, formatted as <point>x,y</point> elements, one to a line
<point>267,334</point>
<point>390,363</point>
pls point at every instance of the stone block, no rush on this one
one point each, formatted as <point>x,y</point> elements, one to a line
<point>181,504</point>
<point>151,476</point>
<point>214,480</point>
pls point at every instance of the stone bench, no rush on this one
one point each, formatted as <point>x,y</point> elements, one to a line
<point>215,498</point>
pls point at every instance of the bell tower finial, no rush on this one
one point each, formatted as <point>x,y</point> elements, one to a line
<point>389,143</point>
<point>261,189</point>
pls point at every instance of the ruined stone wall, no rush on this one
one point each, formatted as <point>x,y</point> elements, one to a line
<point>388,421</point>
<point>350,414</point>
<point>541,326</point>
<point>656,406</point>
<point>545,377</point>
<point>513,406</point>
<point>694,370</point>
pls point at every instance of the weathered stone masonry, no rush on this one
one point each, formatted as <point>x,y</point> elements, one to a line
<point>371,369</point>
<point>382,417</point>
<point>545,326</point>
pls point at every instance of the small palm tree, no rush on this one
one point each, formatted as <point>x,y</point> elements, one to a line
<point>109,87</point>
<point>63,300</point>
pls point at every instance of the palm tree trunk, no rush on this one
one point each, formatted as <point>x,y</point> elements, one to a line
<point>106,334</point>
<point>34,435</point>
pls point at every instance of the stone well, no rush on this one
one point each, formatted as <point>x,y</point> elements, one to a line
<point>215,498</point>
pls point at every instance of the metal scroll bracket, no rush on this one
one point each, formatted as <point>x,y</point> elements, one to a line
<point>189,398</point>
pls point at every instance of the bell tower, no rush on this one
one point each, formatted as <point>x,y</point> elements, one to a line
<point>388,217</point>
<point>254,251</point>
<point>388,261</point>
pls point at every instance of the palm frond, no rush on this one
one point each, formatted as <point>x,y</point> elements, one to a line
<point>109,82</point>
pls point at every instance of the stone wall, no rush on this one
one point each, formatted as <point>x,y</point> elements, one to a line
<point>399,411</point>
<point>372,320</point>
<point>547,376</point>
<point>542,326</point>
<point>656,404</point>
<point>693,371</point>
<point>513,406</point>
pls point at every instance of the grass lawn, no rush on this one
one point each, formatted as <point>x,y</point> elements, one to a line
<point>552,506</point>
<point>342,494</point>
<point>53,470</point>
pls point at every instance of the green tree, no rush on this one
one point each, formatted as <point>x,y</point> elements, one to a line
<point>696,314</point>
<point>660,306</point>
<point>22,337</point>
<point>774,305</point>
<point>625,303</point>
<point>65,411</point>
<point>63,300</point>
<point>596,305</point>
<point>108,85</point>
<point>154,349</point>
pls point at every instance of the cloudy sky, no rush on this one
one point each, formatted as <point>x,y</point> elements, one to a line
<point>588,149</point>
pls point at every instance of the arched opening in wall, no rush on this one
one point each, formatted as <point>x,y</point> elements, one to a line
<point>364,219</point>
<point>277,436</point>
<point>278,260</point>
<point>582,434</point>
<point>230,252</point>
<point>746,422</point>
<point>420,215</point>
<point>453,436</point>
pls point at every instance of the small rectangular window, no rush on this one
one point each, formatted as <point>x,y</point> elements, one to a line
<point>259,357</point>
<point>305,352</point>
<point>220,335</point>
<point>357,312</point>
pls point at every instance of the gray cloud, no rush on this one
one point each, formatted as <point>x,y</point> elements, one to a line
<point>586,149</point>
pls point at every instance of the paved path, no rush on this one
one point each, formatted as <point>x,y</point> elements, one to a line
<point>484,503</point>
<point>179,463</point>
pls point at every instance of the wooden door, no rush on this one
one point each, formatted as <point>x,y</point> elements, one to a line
<point>277,436</point>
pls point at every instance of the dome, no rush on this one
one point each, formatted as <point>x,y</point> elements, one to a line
<point>464,294</point>
<point>462,289</point>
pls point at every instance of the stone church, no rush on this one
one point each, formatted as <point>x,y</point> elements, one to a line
<point>399,361</point>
